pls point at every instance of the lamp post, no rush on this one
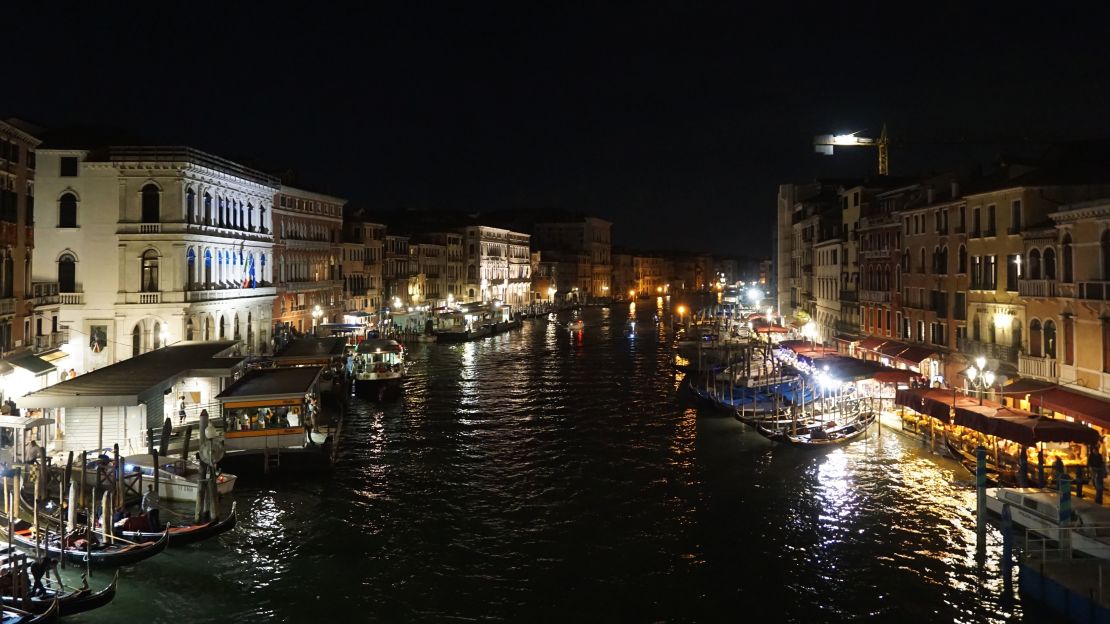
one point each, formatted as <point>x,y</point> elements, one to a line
<point>809,331</point>
<point>980,377</point>
<point>316,314</point>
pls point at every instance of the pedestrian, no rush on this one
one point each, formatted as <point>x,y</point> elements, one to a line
<point>150,506</point>
<point>38,569</point>
<point>181,411</point>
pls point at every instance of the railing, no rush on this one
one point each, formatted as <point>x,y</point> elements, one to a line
<point>150,228</point>
<point>50,341</point>
<point>1033,366</point>
<point>228,293</point>
<point>308,285</point>
<point>1094,291</point>
<point>150,297</point>
<point>1036,288</point>
<point>989,350</point>
<point>7,306</point>
<point>874,253</point>
<point>71,298</point>
<point>876,296</point>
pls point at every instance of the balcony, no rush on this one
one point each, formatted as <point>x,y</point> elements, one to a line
<point>1041,367</point>
<point>150,228</point>
<point>1094,291</point>
<point>875,296</point>
<point>1002,353</point>
<point>71,298</point>
<point>7,306</point>
<point>1037,288</point>
<point>307,285</point>
<point>49,341</point>
<point>44,293</point>
<point>849,295</point>
<point>195,296</point>
<point>873,254</point>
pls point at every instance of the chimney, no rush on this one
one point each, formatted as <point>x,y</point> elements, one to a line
<point>955,189</point>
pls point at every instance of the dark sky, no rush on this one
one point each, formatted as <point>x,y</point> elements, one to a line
<point>675,120</point>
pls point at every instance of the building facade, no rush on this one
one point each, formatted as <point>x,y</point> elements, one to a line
<point>308,231</point>
<point>144,246</point>
<point>498,265</point>
<point>570,240</point>
<point>17,242</point>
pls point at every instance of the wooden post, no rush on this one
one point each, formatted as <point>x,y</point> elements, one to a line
<point>199,510</point>
<point>105,503</point>
<point>84,462</point>
<point>117,472</point>
<point>35,519</point>
<point>44,474</point>
<point>157,479</point>
<point>88,543</point>
<point>185,444</point>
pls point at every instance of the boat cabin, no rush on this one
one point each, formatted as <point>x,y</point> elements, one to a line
<point>379,359</point>
<point>268,408</point>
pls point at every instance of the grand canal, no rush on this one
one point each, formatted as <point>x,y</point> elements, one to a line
<point>557,475</point>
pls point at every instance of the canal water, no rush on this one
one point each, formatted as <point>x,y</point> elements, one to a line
<point>551,474</point>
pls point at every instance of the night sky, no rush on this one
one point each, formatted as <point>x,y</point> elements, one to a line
<point>675,120</point>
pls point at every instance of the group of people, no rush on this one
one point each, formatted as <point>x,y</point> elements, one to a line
<point>264,418</point>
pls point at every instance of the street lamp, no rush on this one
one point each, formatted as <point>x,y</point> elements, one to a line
<point>809,331</point>
<point>316,314</point>
<point>980,377</point>
<point>164,336</point>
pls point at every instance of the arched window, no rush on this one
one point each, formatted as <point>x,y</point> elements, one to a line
<point>223,327</point>
<point>1034,264</point>
<point>242,216</point>
<point>207,209</point>
<point>962,260</point>
<point>220,201</point>
<point>208,328</point>
<point>189,328</point>
<point>67,211</point>
<point>152,197</point>
<point>1049,263</point>
<point>1104,246</point>
<point>156,335</point>
<point>207,269</point>
<point>67,274</point>
<point>149,281</point>
<point>190,206</point>
<point>235,328</point>
<point>136,341</point>
<point>1066,252</point>
<point>1050,338</point>
<point>190,269</point>
<point>1035,338</point>
<point>250,216</point>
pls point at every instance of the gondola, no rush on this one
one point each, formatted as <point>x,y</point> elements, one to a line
<point>182,535</point>
<point>98,554</point>
<point>15,615</point>
<point>69,603</point>
<point>995,477</point>
<point>818,436</point>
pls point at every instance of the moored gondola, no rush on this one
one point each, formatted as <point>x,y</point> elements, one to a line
<point>182,535</point>
<point>68,602</point>
<point>819,437</point>
<point>99,553</point>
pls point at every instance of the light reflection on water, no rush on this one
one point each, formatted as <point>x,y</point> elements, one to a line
<point>560,475</point>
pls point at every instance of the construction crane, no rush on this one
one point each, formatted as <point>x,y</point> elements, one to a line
<point>824,143</point>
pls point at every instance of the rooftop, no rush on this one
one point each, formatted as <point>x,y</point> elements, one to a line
<point>138,379</point>
<point>312,347</point>
<point>273,382</point>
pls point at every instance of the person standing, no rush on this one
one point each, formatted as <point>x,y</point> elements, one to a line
<point>38,570</point>
<point>150,506</point>
<point>181,411</point>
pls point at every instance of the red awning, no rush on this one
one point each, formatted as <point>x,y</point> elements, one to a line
<point>893,348</point>
<point>870,343</point>
<point>1023,427</point>
<point>1079,406</point>
<point>894,376</point>
<point>915,354</point>
<point>771,329</point>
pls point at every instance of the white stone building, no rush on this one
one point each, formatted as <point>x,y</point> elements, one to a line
<point>140,247</point>
<point>498,265</point>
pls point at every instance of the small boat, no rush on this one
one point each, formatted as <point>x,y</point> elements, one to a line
<point>379,368</point>
<point>174,482</point>
<point>99,553</point>
<point>67,602</point>
<point>181,535</point>
<point>995,477</point>
<point>823,436</point>
<point>16,615</point>
<point>1038,511</point>
<point>576,325</point>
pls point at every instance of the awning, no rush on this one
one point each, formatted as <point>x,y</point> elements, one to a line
<point>36,365</point>
<point>1076,405</point>
<point>893,348</point>
<point>895,375</point>
<point>771,329</point>
<point>871,343</point>
<point>54,356</point>
<point>1023,427</point>
<point>915,354</point>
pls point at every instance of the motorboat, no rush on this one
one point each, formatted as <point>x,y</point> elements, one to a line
<point>1038,510</point>
<point>177,480</point>
<point>379,369</point>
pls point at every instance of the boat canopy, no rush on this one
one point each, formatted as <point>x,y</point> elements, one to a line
<point>380,346</point>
